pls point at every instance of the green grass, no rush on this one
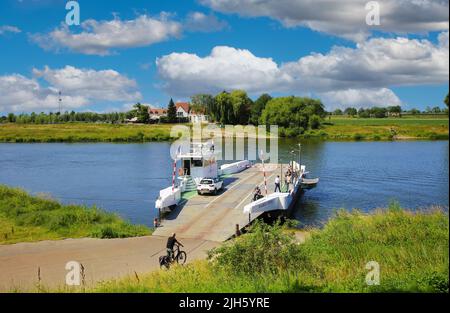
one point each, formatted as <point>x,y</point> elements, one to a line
<point>84,132</point>
<point>25,218</point>
<point>411,249</point>
<point>336,128</point>
<point>347,128</point>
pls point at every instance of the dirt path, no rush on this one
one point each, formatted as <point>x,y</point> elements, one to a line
<point>102,259</point>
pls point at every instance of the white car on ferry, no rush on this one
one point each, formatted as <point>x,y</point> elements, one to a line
<point>209,186</point>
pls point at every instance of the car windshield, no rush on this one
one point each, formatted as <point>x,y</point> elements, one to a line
<point>206,181</point>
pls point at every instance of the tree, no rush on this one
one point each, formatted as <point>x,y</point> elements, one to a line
<point>205,103</point>
<point>436,110</point>
<point>258,106</point>
<point>241,107</point>
<point>363,113</point>
<point>314,122</point>
<point>11,118</point>
<point>395,109</point>
<point>224,108</point>
<point>293,114</point>
<point>378,112</point>
<point>414,111</point>
<point>171,112</point>
<point>351,112</point>
<point>337,112</point>
<point>446,100</point>
<point>142,113</point>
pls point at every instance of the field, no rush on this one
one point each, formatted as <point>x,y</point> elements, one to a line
<point>410,248</point>
<point>25,218</point>
<point>347,128</point>
<point>83,132</point>
<point>334,129</point>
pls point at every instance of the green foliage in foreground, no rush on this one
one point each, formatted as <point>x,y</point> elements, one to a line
<point>27,218</point>
<point>411,248</point>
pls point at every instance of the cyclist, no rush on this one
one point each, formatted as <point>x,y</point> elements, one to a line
<point>257,195</point>
<point>171,243</point>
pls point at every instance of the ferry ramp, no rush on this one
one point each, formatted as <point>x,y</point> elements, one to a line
<point>214,218</point>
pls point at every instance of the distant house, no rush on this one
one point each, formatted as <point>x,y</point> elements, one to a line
<point>183,109</point>
<point>394,114</point>
<point>156,113</point>
<point>132,120</point>
<point>198,117</point>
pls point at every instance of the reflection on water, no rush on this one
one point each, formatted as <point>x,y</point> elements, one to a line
<point>126,178</point>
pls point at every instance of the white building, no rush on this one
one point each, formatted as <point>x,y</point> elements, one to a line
<point>198,118</point>
<point>182,109</point>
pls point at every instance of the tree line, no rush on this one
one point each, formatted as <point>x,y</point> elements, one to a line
<point>293,115</point>
<point>66,117</point>
<point>382,112</point>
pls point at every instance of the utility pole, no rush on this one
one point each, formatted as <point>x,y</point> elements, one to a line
<point>60,102</point>
<point>300,156</point>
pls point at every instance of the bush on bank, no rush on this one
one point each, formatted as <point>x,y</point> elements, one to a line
<point>411,249</point>
<point>28,218</point>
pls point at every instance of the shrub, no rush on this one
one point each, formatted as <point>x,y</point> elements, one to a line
<point>58,221</point>
<point>315,121</point>
<point>265,249</point>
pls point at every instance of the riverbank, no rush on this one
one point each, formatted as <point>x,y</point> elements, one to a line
<point>332,129</point>
<point>410,248</point>
<point>26,218</point>
<point>339,128</point>
<point>84,132</point>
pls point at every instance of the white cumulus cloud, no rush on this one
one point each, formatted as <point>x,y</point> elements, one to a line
<point>344,18</point>
<point>100,37</point>
<point>79,87</point>
<point>21,94</point>
<point>360,98</point>
<point>200,22</point>
<point>104,85</point>
<point>347,75</point>
<point>225,68</point>
<point>9,29</point>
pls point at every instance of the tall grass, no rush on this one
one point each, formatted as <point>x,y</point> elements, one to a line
<point>411,248</point>
<point>337,128</point>
<point>28,218</point>
<point>84,132</point>
<point>345,128</point>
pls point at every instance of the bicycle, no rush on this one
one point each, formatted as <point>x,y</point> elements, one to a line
<point>178,255</point>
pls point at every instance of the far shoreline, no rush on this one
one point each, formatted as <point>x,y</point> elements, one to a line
<point>335,130</point>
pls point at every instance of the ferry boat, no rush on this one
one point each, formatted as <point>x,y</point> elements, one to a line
<point>200,161</point>
<point>196,164</point>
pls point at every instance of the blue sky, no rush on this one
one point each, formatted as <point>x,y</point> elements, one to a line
<point>273,51</point>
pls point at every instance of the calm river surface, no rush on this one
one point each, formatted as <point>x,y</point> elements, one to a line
<point>126,178</point>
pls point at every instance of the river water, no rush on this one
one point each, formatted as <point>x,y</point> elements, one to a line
<point>126,178</point>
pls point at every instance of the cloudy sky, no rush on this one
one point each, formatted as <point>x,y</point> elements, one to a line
<point>149,51</point>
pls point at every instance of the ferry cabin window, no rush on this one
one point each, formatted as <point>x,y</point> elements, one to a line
<point>187,167</point>
<point>197,163</point>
